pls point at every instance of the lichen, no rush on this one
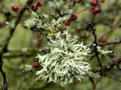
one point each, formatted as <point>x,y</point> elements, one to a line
<point>66,60</point>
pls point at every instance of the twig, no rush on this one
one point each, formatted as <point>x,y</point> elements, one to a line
<point>3,74</point>
<point>4,49</point>
<point>108,32</point>
<point>16,54</point>
<point>82,10</point>
<point>110,43</point>
<point>105,69</point>
<point>93,83</point>
<point>27,53</point>
<point>113,79</point>
<point>95,47</point>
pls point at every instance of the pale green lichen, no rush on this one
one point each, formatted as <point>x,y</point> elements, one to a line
<point>104,52</point>
<point>66,60</point>
<point>43,25</point>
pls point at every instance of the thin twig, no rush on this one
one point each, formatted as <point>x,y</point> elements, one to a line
<point>95,48</point>
<point>110,31</point>
<point>110,43</point>
<point>4,49</point>
<point>17,54</point>
<point>93,83</point>
<point>82,10</point>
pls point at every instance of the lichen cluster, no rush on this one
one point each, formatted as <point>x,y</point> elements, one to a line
<point>66,60</point>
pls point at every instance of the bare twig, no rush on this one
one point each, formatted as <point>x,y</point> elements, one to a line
<point>110,31</point>
<point>106,68</point>
<point>27,53</point>
<point>110,77</point>
<point>16,54</point>
<point>4,49</point>
<point>110,43</point>
<point>83,10</point>
<point>95,47</point>
<point>93,83</point>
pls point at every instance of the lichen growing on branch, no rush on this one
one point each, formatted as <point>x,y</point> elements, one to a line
<point>66,60</point>
<point>43,25</point>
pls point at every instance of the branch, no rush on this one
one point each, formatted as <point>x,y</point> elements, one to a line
<point>17,54</point>
<point>110,31</point>
<point>106,68</point>
<point>4,49</point>
<point>95,47</point>
<point>27,53</point>
<point>110,65</point>
<point>93,83</point>
<point>110,43</point>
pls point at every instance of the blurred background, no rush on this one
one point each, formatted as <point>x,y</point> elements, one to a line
<point>26,41</point>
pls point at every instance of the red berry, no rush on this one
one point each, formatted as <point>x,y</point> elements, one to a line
<point>103,40</point>
<point>39,3</point>
<point>34,7</point>
<point>102,1</point>
<point>36,64</point>
<point>93,12</point>
<point>94,2</point>
<point>15,8</point>
<point>3,24</point>
<point>97,10</point>
<point>73,17</point>
<point>67,23</point>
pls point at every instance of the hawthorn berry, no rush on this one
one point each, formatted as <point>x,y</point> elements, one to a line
<point>7,14</point>
<point>102,1</point>
<point>34,7</point>
<point>73,17</point>
<point>94,2</point>
<point>15,8</point>
<point>68,23</point>
<point>97,10</point>
<point>3,24</point>
<point>102,40</point>
<point>39,3</point>
<point>93,12</point>
<point>36,64</point>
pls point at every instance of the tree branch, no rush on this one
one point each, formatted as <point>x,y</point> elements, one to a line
<point>110,43</point>
<point>4,49</point>
<point>95,47</point>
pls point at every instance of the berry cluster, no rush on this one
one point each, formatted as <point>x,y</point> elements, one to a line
<point>95,9</point>
<point>38,4</point>
<point>16,8</point>
<point>73,17</point>
<point>8,14</point>
<point>34,7</point>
